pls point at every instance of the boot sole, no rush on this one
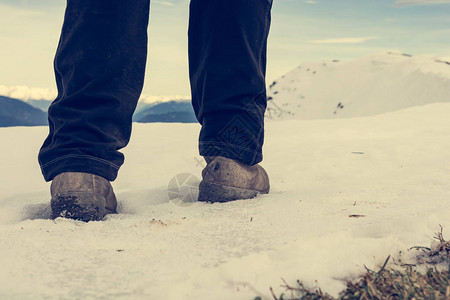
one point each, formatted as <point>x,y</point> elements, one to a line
<point>79,206</point>
<point>211,192</point>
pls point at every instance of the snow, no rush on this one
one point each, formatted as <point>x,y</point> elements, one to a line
<point>369,85</point>
<point>393,168</point>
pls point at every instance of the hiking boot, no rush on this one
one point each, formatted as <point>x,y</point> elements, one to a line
<point>227,179</point>
<point>82,196</point>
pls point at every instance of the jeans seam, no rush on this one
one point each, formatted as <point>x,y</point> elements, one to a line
<point>81,156</point>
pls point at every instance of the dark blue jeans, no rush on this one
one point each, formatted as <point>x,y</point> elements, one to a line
<point>99,69</point>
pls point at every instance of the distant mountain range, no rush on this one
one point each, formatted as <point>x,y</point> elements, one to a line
<point>365,86</point>
<point>172,111</point>
<point>41,104</point>
<point>170,117</point>
<point>14,112</point>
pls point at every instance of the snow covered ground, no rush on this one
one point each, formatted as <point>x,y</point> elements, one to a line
<point>393,168</point>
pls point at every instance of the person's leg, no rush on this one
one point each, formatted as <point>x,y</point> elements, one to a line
<point>99,69</point>
<point>227,62</point>
<point>227,66</point>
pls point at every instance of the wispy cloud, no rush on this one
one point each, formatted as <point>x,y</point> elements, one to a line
<point>343,40</point>
<point>311,1</point>
<point>165,3</point>
<point>401,3</point>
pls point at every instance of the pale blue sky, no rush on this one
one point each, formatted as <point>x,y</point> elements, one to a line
<point>302,30</point>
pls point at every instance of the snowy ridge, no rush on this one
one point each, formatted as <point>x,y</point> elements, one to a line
<point>391,169</point>
<point>365,86</point>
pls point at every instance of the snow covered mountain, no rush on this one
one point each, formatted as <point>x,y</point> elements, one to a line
<point>365,86</point>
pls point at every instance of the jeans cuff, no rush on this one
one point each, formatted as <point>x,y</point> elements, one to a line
<point>80,163</point>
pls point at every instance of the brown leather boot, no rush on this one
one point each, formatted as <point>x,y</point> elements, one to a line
<point>82,196</point>
<point>227,179</point>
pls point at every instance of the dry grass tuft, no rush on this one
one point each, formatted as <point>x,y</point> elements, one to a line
<point>390,283</point>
